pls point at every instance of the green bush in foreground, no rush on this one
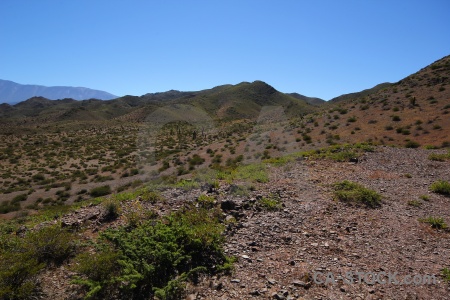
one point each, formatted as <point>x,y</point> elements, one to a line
<point>156,257</point>
<point>441,187</point>
<point>22,258</point>
<point>348,191</point>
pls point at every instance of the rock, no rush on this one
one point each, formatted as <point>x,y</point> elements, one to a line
<point>271,281</point>
<point>191,297</point>
<point>278,296</point>
<point>228,205</point>
<point>300,283</point>
<point>217,286</point>
<point>245,257</point>
<point>235,280</point>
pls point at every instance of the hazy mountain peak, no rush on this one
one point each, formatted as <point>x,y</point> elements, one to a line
<point>12,92</point>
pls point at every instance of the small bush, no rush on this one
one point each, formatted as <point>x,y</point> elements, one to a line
<point>271,203</point>
<point>396,118</point>
<point>156,257</point>
<point>439,157</point>
<point>18,273</point>
<point>152,196</point>
<point>19,198</point>
<point>441,187</point>
<point>112,208</point>
<point>51,244</point>
<point>425,197</point>
<point>38,177</point>
<point>98,266</point>
<point>6,207</point>
<point>100,191</point>
<point>446,274</point>
<point>412,144</point>
<point>414,203</point>
<point>21,259</point>
<point>206,201</point>
<point>437,223</point>
<point>348,191</point>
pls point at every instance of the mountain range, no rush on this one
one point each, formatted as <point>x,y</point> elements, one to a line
<point>414,108</point>
<point>12,92</point>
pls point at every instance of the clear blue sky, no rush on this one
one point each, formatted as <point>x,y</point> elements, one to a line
<point>316,48</point>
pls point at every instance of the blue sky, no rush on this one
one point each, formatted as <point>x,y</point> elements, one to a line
<point>316,48</point>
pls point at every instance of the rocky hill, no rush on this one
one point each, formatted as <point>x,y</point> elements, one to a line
<point>414,111</point>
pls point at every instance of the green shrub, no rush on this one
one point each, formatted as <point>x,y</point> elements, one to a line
<point>439,157</point>
<point>22,258</point>
<point>254,172</point>
<point>412,144</point>
<point>100,191</point>
<point>441,187</point>
<point>18,275</point>
<point>435,222</point>
<point>156,257</point>
<point>206,201</point>
<point>414,203</point>
<point>446,274</point>
<point>396,118</point>
<point>338,152</point>
<point>6,207</point>
<point>196,160</point>
<point>152,196</point>
<point>187,185</point>
<point>348,191</point>
<point>38,177</point>
<point>425,197</point>
<point>112,208</point>
<point>99,271</point>
<point>51,244</point>
<point>271,203</point>
<point>430,147</point>
<point>19,198</point>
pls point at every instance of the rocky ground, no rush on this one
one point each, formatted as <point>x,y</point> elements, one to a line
<point>280,252</point>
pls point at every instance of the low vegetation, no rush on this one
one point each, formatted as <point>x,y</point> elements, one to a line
<point>439,156</point>
<point>100,191</point>
<point>21,258</point>
<point>441,187</point>
<point>270,203</point>
<point>155,258</point>
<point>446,274</point>
<point>435,222</point>
<point>348,191</point>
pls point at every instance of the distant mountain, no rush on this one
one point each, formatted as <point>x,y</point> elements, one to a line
<point>310,100</point>
<point>226,102</point>
<point>11,92</point>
